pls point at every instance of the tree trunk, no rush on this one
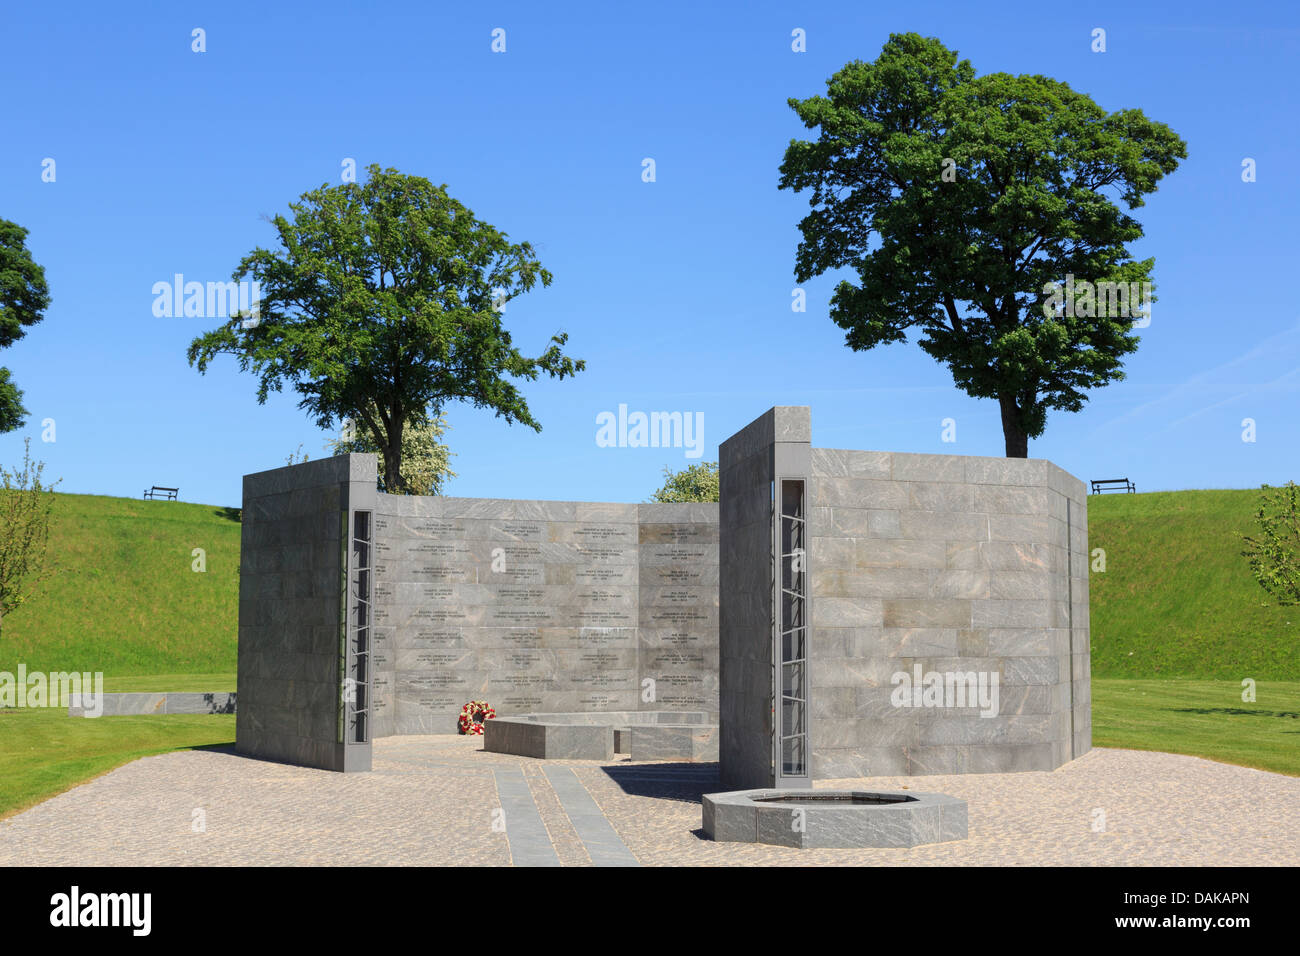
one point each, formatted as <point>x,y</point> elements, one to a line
<point>393,483</point>
<point>1017,441</point>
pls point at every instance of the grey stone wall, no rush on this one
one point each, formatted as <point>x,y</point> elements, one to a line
<point>541,606</point>
<point>953,565</point>
<point>292,607</point>
<point>958,565</point>
<point>971,569</point>
<point>748,463</point>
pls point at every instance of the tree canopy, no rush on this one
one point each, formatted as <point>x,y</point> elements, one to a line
<point>966,205</point>
<point>383,304</point>
<point>1274,554</point>
<point>24,298</point>
<point>697,482</point>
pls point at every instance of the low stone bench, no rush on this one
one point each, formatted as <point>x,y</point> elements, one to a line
<point>118,705</point>
<point>690,743</point>
<point>644,735</point>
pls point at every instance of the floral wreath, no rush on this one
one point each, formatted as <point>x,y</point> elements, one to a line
<point>472,716</point>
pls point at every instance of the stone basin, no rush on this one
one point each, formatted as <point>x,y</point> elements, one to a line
<point>833,818</point>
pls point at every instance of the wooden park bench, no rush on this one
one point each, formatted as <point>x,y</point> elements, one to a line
<point>158,491</point>
<point>1113,484</point>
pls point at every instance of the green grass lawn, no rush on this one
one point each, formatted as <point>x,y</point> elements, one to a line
<point>45,752</point>
<point>1177,598</point>
<point>1202,718</point>
<point>124,599</point>
<point>156,683</point>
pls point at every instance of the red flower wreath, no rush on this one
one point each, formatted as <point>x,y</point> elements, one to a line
<point>472,716</point>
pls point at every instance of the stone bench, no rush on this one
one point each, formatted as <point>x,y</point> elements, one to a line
<point>644,735</point>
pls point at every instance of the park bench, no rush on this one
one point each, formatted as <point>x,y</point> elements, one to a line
<point>1113,484</point>
<point>158,491</point>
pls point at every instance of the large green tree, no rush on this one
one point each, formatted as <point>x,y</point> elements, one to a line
<point>383,304</point>
<point>960,202</point>
<point>24,298</point>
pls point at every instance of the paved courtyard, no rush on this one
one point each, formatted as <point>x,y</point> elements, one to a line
<point>444,801</point>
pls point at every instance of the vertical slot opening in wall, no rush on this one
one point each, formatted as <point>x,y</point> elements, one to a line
<point>791,651</point>
<point>359,651</point>
<point>773,565</point>
<point>344,539</point>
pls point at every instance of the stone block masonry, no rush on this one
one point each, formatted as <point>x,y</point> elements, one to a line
<point>298,571</point>
<point>531,605</point>
<point>973,569</point>
<point>932,615</point>
<point>541,606</point>
<point>947,619</point>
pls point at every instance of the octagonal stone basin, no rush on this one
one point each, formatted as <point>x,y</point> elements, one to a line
<point>811,798</point>
<point>685,736</point>
<point>834,818</point>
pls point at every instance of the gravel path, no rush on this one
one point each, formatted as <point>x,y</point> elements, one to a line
<point>434,801</point>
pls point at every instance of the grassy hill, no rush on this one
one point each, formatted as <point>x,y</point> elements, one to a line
<point>1177,598</point>
<point>124,599</point>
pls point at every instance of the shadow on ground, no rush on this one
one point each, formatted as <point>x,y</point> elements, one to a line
<point>685,782</point>
<point>225,749</point>
<point>1238,712</point>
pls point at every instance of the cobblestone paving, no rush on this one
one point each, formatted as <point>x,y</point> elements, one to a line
<point>430,800</point>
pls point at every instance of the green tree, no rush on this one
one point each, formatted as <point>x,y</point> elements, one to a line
<point>963,204</point>
<point>25,508</point>
<point>24,297</point>
<point>1274,553</point>
<point>698,482</point>
<point>426,461</point>
<point>385,303</point>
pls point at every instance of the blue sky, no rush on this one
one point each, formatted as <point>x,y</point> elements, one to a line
<point>676,292</point>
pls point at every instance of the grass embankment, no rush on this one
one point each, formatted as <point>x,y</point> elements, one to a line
<point>124,598</point>
<point>1177,599</point>
<point>126,601</point>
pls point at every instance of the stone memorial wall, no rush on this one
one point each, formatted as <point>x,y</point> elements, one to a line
<point>933,611</point>
<point>541,606</point>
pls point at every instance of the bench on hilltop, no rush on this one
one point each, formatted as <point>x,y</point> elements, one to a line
<point>158,491</point>
<point>1113,484</point>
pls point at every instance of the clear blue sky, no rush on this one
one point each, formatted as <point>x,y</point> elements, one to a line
<point>677,292</point>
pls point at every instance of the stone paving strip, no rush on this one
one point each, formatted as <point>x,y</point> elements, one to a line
<point>600,839</point>
<point>431,801</point>
<point>530,844</point>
